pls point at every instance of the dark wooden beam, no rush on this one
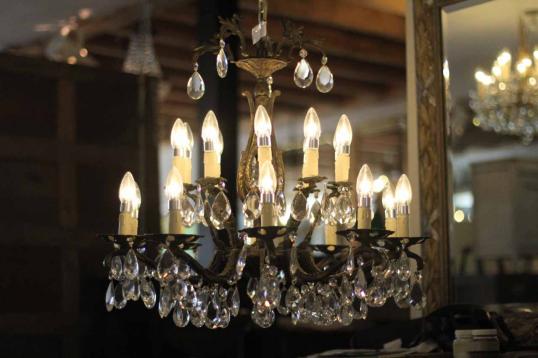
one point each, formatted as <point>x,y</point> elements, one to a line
<point>346,14</point>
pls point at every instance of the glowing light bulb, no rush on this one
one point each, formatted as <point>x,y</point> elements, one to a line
<point>137,200</point>
<point>446,71</point>
<point>388,199</point>
<point>459,216</point>
<point>173,187</point>
<point>403,191</point>
<point>127,192</point>
<point>219,143</point>
<point>365,182</point>
<point>267,180</point>
<point>210,131</point>
<point>480,75</point>
<point>311,127</point>
<point>342,136</point>
<point>504,57</point>
<point>181,138</point>
<point>380,183</point>
<point>262,126</point>
<point>523,65</point>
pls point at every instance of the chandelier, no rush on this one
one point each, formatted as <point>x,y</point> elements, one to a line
<point>506,99</point>
<point>333,283</point>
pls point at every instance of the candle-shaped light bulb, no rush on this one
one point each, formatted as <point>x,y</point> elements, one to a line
<point>312,132</point>
<point>365,184</point>
<point>210,131</point>
<point>342,148</point>
<point>504,61</point>
<point>127,190</point>
<point>389,204</point>
<point>380,183</point>
<point>173,187</point>
<point>210,136</point>
<point>523,66</point>
<point>267,180</point>
<point>267,186</point>
<point>342,136</point>
<point>219,145</point>
<point>173,190</point>
<point>129,204</point>
<point>403,199</point>
<point>137,202</point>
<point>262,126</point>
<point>182,141</point>
<point>312,129</point>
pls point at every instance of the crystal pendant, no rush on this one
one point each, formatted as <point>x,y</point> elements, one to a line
<point>199,209</point>
<point>361,310</point>
<point>324,78</point>
<point>345,211</point>
<point>147,293</point>
<point>130,289</point>
<point>116,267</point>
<point>119,298</point>
<point>350,262</point>
<point>303,74</point>
<point>313,210</point>
<point>346,315</point>
<point>187,210</point>
<point>403,268</point>
<point>251,287</point>
<point>234,302</point>
<point>130,266</point>
<point>298,206</point>
<point>220,210</point>
<point>181,317</point>
<point>109,297</point>
<point>241,261</point>
<point>280,203</point>
<point>166,266</point>
<point>196,85</point>
<point>166,302</point>
<point>346,290</point>
<point>251,206</point>
<point>222,61</point>
<point>360,284</point>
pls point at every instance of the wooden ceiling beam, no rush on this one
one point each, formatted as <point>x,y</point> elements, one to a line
<point>345,14</point>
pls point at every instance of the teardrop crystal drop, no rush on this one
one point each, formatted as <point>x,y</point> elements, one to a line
<point>116,267</point>
<point>324,79</point>
<point>222,63</point>
<point>416,298</point>
<point>360,284</point>
<point>350,262</point>
<point>147,293</point>
<point>187,210</point>
<point>313,210</point>
<point>166,302</point>
<point>234,303</point>
<point>241,261</point>
<point>130,266</point>
<point>199,209</point>
<point>119,298</point>
<point>403,268</point>
<point>303,74</point>
<point>251,206</point>
<point>220,210</point>
<point>166,267</point>
<point>109,297</point>
<point>129,289</point>
<point>251,286</point>
<point>196,86</point>
<point>280,203</point>
<point>361,310</point>
<point>345,209</point>
<point>181,317</point>
<point>298,206</point>
<point>346,315</point>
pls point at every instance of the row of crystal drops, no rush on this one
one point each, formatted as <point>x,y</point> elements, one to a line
<point>303,75</point>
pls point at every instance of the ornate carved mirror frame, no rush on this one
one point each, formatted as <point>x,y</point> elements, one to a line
<point>431,122</point>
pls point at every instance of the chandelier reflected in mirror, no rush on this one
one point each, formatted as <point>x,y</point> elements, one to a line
<point>506,98</point>
<point>327,284</point>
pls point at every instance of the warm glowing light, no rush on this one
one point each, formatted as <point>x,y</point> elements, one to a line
<point>403,191</point>
<point>532,81</point>
<point>343,134</point>
<point>210,128</point>
<point>173,187</point>
<point>85,13</point>
<point>476,122</point>
<point>127,192</point>
<point>267,181</point>
<point>181,135</point>
<point>523,65</point>
<point>219,143</point>
<point>484,78</point>
<point>380,183</point>
<point>262,123</point>
<point>365,181</point>
<point>65,30</point>
<point>137,201</point>
<point>446,70</point>
<point>71,60</point>
<point>502,86</point>
<point>496,70</point>
<point>83,52</point>
<point>388,199</point>
<point>459,216</point>
<point>504,58</point>
<point>311,127</point>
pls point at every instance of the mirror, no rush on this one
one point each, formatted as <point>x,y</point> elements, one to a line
<point>490,71</point>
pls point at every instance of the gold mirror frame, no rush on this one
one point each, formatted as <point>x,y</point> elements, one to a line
<point>431,124</point>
